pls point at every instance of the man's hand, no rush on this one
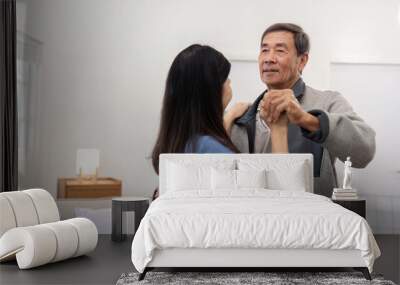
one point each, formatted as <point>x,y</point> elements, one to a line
<point>277,101</point>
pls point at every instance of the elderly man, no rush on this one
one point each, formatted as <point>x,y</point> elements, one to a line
<point>320,122</point>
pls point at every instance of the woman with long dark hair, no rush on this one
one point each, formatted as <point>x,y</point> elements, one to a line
<point>196,94</point>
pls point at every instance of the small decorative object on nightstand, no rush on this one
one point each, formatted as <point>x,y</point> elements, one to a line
<point>358,206</point>
<point>347,192</point>
<point>88,184</point>
<point>122,204</point>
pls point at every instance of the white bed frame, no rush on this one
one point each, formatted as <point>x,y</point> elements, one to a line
<point>249,257</point>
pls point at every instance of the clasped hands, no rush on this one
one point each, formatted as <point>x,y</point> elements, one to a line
<point>279,107</point>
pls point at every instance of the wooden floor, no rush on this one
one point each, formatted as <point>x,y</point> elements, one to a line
<point>111,259</point>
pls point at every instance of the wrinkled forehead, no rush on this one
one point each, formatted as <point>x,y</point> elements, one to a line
<point>278,38</point>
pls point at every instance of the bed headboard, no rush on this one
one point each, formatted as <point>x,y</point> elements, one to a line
<point>274,161</point>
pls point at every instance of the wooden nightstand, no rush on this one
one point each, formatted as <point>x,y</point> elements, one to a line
<point>88,188</point>
<point>358,206</point>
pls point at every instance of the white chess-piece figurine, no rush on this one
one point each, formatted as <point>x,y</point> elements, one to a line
<point>347,174</point>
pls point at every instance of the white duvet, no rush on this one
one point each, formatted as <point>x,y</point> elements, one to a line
<point>252,218</point>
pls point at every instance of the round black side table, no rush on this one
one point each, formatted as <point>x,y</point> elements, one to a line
<point>123,204</point>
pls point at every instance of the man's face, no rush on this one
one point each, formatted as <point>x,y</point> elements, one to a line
<point>278,62</point>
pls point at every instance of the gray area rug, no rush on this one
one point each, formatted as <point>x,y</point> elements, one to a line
<point>225,278</point>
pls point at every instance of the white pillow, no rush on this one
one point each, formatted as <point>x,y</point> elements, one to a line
<point>287,174</point>
<point>187,177</point>
<point>251,178</point>
<point>293,179</point>
<point>223,179</point>
<point>189,174</point>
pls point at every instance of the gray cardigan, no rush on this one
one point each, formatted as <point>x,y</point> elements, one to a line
<point>342,133</point>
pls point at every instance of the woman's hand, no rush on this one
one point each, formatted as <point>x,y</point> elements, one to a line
<point>239,109</point>
<point>279,134</point>
<point>233,113</point>
<point>281,122</point>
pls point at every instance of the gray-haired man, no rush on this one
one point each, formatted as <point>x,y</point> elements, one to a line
<point>320,122</point>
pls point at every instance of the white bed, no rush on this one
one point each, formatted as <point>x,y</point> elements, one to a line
<point>226,217</point>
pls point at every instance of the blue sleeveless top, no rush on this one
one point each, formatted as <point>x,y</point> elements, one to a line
<point>206,144</point>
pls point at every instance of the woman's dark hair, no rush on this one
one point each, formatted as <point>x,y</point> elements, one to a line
<point>192,103</point>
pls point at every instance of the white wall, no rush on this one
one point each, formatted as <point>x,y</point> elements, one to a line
<point>105,62</point>
<point>378,104</point>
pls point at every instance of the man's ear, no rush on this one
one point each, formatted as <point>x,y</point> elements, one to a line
<point>303,61</point>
